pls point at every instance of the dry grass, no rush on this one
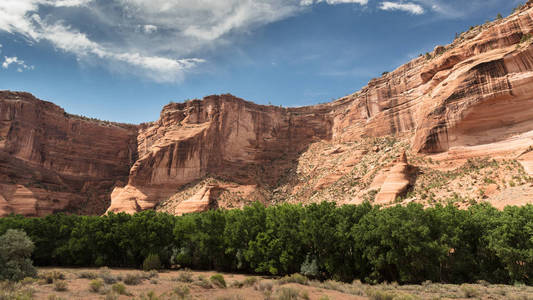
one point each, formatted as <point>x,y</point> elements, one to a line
<point>197,285</point>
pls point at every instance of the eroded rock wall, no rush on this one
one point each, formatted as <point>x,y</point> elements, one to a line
<point>51,161</point>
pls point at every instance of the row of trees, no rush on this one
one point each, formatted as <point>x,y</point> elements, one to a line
<point>407,244</point>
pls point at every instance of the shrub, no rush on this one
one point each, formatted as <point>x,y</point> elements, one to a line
<point>152,262</point>
<point>469,291</point>
<point>153,274</point>
<point>264,285</point>
<point>50,277</point>
<point>182,291</point>
<point>96,285</point>
<point>185,276</point>
<point>309,267</point>
<point>132,279</point>
<point>249,281</point>
<point>119,288</point>
<point>288,294</point>
<point>218,280</point>
<point>525,38</point>
<point>15,252</point>
<point>87,275</point>
<point>203,282</point>
<point>60,285</point>
<point>106,275</point>
<point>294,278</point>
<point>111,296</point>
<point>381,295</point>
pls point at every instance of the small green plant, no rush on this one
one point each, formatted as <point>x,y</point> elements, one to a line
<point>203,282</point>
<point>152,262</point>
<point>499,16</point>
<point>525,38</point>
<point>60,285</point>
<point>218,280</point>
<point>294,278</point>
<point>96,285</point>
<point>119,288</point>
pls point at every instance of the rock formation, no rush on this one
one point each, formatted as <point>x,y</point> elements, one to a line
<point>467,100</point>
<point>396,181</point>
<point>51,161</point>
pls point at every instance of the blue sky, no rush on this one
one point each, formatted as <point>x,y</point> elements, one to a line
<point>122,60</point>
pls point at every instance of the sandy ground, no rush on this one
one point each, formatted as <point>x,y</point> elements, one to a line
<point>190,285</point>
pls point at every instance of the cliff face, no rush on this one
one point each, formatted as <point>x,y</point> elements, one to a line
<point>223,136</point>
<point>408,133</point>
<point>51,161</point>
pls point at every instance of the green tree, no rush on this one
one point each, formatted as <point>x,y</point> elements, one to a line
<point>15,252</point>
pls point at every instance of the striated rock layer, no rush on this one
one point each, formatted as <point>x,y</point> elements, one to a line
<point>51,161</point>
<point>470,99</point>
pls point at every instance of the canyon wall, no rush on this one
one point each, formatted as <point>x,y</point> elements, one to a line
<point>51,161</point>
<point>470,99</point>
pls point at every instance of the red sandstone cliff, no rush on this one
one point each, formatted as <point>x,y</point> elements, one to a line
<point>51,161</point>
<point>470,99</point>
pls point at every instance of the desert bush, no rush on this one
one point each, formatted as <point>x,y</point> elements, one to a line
<point>15,291</point>
<point>87,275</point>
<point>119,288</point>
<point>294,278</point>
<point>182,291</point>
<point>184,276</point>
<point>132,279</point>
<point>50,277</point>
<point>15,252</point>
<point>106,275</point>
<point>380,295</point>
<point>469,291</point>
<point>264,285</point>
<point>152,262</point>
<point>96,285</point>
<point>203,282</point>
<point>60,285</point>
<point>287,293</point>
<point>218,280</point>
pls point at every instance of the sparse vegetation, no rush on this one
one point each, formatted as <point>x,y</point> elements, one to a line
<point>132,279</point>
<point>96,285</point>
<point>218,280</point>
<point>60,285</point>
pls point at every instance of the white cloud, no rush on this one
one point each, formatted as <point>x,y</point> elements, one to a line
<point>333,2</point>
<point>412,8</point>
<point>164,39</point>
<point>149,28</point>
<point>15,61</point>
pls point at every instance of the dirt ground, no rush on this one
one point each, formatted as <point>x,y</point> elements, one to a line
<point>105,283</point>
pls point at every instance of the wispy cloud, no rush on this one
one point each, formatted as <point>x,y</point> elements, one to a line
<point>163,40</point>
<point>333,2</point>
<point>409,7</point>
<point>21,65</point>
